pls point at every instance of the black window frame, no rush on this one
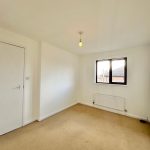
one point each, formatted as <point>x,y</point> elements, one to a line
<point>110,71</point>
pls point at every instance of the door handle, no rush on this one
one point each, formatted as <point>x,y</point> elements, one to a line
<point>17,88</point>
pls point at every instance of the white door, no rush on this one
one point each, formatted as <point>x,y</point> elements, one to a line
<point>11,87</point>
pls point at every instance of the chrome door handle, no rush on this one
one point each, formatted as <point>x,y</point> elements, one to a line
<point>17,88</point>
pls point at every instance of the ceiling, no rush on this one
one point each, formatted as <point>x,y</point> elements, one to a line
<point>107,24</point>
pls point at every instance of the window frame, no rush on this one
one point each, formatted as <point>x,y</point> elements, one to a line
<point>110,71</point>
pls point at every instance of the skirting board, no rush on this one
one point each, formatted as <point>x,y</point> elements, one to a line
<point>55,112</point>
<point>115,111</point>
<point>28,122</point>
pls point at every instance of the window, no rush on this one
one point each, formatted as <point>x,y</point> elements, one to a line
<point>111,71</point>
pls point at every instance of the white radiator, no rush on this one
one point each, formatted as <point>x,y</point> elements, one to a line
<point>110,101</point>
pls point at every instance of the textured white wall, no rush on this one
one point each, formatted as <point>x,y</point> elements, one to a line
<point>31,71</point>
<point>136,92</point>
<point>59,80</point>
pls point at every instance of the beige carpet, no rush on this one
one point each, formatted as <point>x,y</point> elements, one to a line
<point>80,128</point>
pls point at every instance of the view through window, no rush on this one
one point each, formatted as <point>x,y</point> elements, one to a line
<point>103,68</point>
<point>118,71</point>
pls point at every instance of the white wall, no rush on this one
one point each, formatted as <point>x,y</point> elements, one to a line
<point>59,80</point>
<point>31,71</point>
<point>136,92</point>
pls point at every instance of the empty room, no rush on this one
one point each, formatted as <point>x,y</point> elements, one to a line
<point>74,74</point>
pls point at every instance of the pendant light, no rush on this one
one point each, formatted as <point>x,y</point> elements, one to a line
<point>80,41</point>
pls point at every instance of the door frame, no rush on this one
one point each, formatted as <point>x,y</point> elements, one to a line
<point>23,100</point>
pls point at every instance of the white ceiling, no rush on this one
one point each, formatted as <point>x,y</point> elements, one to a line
<point>107,24</point>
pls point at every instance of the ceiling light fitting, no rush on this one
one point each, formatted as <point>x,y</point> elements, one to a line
<point>80,41</point>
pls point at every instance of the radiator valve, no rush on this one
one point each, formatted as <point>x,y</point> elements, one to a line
<point>125,110</point>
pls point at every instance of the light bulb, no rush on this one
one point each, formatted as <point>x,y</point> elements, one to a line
<point>80,44</point>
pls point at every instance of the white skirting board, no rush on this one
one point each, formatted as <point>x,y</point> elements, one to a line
<point>29,121</point>
<point>55,112</point>
<point>115,111</point>
<point>91,105</point>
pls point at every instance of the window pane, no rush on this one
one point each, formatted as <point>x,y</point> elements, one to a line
<point>118,71</point>
<point>103,71</point>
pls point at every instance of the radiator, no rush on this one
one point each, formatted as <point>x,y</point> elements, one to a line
<point>110,101</point>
